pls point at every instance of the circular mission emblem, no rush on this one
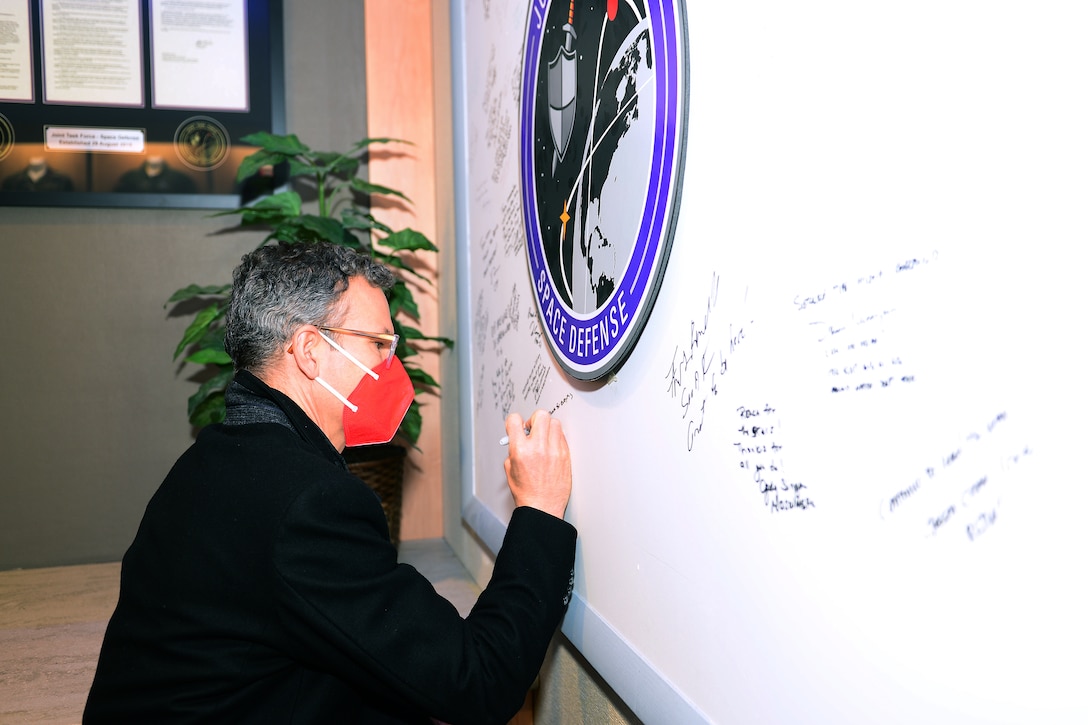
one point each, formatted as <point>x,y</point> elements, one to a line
<point>201,143</point>
<point>602,135</point>
<point>7,136</point>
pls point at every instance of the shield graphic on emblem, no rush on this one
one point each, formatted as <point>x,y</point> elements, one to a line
<point>562,90</point>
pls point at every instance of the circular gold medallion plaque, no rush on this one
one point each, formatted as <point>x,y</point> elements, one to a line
<point>201,143</point>
<point>7,136</point>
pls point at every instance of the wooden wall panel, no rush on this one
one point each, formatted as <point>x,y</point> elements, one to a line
<point>400,104</point>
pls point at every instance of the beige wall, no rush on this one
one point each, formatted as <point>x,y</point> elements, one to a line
<point>93,413</point>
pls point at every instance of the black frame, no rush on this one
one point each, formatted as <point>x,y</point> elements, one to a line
<point>24,132</point>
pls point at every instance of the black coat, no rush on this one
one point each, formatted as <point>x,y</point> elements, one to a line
<point>262,587</point>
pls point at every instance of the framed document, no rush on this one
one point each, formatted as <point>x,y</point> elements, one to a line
<point>91,53</point>
<point>199,55</point>
<point>136,103</point>
<point>15,55</point>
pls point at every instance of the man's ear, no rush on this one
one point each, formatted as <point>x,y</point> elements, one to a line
<point>307,349</point>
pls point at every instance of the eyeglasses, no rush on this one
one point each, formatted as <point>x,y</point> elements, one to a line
<point>385,337</point>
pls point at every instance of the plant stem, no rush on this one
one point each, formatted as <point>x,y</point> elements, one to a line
<point>321,203</point>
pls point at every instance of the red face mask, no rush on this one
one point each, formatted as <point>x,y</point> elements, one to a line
<point>375,409</point>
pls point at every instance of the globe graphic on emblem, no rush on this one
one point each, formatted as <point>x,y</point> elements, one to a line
<point>602,124</point>
<point>619,156</point>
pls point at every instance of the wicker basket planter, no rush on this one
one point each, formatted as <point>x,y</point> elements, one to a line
<point>382,468</point>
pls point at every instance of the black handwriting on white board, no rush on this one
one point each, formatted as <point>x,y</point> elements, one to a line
<point>500,126</point>
<point>479,387</point>
<point>813,298</point>
<point>536,333</point>
<point>761,456</point>
<point>507,321</point>
<point>490,262</point>
<point>562,401</point>
<point>534,384</point>
<point>513,233</point>
<point>699,365</point>
<point>960,491</point>
<point>852,321</point>
<point>502,387</point>
<point>481,322</point>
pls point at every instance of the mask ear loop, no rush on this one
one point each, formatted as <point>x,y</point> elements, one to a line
<point>348,355</point>
<point>348,404</point>
<point>320,381</point>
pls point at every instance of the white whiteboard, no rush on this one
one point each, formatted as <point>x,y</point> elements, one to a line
<point>838,479</point>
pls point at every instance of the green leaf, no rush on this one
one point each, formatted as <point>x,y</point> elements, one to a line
<point>410,333</point>
<point>288,145</point>
<point>213,338</point>
<point>408,240</point>
<point>421,378</point>
<point>285,233</point>
<point>195,290</point>
<point>407,332</point>
<point>301,166</point>
<point>198,327</point>
<point>354,219</point>
<point>403,306</point>
<point>365,187</point>
<point>357,222</point>
<point>359,145</point>
<point>212,410</point>
<point>268,209</point>
<point>344,166</point>
<point>412,424</point>
<point>210,348</point>
<point>326,159</point>
<point>327,227</point>
<point>323,228</point>
<point>397,263</point>
<point>251,165</point>
<point>400,297</point>
<point>210,356</point>
<point>283,204</point>
<point>210,387</point>
<point>392,262</point>
<point>446,342</point>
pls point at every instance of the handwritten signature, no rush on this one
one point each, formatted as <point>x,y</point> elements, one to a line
<point>761,457</point>
<point>950,494</point>
<point>700,363</point>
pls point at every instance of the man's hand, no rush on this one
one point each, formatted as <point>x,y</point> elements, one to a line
<point>538,467</point>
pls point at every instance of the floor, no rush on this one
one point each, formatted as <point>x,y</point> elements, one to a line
<point>52,621</point>
<point>51,626</point>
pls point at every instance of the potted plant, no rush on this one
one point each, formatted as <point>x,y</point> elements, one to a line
<point>342,216</point>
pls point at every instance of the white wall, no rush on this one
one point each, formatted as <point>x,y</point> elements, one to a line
<point>907,180</point>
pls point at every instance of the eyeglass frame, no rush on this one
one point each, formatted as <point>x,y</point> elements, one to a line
<point>392,338</point>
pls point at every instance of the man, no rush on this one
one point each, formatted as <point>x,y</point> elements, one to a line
<point>155,176</point>
<point>262,586</point>
<point>37,176</point>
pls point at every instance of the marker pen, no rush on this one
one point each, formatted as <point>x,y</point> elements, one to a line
<point>505,440</point>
